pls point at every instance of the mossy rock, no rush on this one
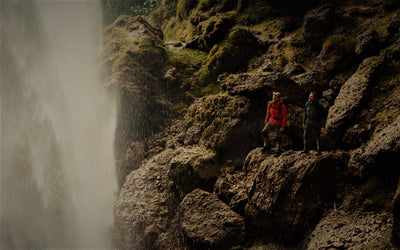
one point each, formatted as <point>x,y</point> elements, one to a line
<point>337,53</point>
<point>230,55</point>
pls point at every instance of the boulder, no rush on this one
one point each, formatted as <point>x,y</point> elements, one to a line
<point>318,22</point>
<point>286,194</point>
<point>134,57</point>
<point>213,32</point>
<point>216,122</point>
<point>146,210</point>
<point>256,85</point>
<point>367,44</point>
<point>193,168</point>
<point>315,81</point>
<point>396,217</point>
<point>208,223</point>
<point>292,69</point>
<point>131,161</point>
<point>231,190</point>
<point>351,96</point>
<point>380,155</point>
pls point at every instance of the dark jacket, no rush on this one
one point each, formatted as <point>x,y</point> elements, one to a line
<point>314,112</point>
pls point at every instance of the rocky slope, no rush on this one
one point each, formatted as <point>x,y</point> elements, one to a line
<point>190,167</point>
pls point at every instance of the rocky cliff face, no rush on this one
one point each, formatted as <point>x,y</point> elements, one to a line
<point>190,166</point>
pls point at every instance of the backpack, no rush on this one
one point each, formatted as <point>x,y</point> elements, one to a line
<point>286,102</point>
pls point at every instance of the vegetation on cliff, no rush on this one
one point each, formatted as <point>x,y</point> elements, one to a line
<point>193,99</point>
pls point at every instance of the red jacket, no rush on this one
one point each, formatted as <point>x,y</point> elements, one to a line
<point>276,113</point>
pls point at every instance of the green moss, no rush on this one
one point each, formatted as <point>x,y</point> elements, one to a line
<point>184,7</point>
<point>338,51</point>
<point>257,12</point>
<point>187,61</point>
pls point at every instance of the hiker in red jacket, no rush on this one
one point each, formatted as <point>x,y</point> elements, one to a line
<point>275,123</point>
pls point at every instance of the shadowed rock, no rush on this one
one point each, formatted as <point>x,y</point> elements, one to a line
<point>207,222</point>
<point>379,155</point>
<point>286,194</point>
<point>193,168</point>
<point>367,43</point>
<point>318,22</point>
<point>351,97</point>
<point>145,213</point>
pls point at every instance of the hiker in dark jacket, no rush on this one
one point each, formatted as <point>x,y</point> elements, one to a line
<point>313,122</point>
<point>275,122</point>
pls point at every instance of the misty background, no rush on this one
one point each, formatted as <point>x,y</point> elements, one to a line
<point>58,184</point>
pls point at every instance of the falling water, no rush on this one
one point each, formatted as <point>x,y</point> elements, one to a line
<point>57,127</point>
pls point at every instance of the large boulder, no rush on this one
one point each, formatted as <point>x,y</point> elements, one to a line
<point>208,223</point>
<point>231,190</point>
<point>262,85</point>
<point>380,156</point>
<point>146,210</point>
<point>193,168</point>
<point>286,194</point>
<point>134,59</point>
<point>312,81</point>
<point>318,22</point>
<point>367,43</point>
<point>217,122</point>
<point>351,96</point>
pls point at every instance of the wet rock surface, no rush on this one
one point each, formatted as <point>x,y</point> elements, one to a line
<point>207,222</point>
<point>351,230</point>
<point>145,213</point>
<point>381,154</point>
<point>286,194</point>
<point>199,179</point>
<point>351,97</point>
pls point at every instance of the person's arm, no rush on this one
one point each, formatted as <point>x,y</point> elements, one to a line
<point>268,113</point>
<point>323,115</point>
<point>284,116</point>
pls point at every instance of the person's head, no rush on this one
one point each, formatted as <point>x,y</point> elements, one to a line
<point>312,97</point>
<point>276,96</point>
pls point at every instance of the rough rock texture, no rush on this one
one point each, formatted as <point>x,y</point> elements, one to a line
<point>216,122</point>
<point>145,213</point>
<point>253,85</point>
<point>193,168</point>
<point>230,188</point>
<point>134,59</point>
<point>318,22</point>
<point>207,222</point>
<point>367,43</point>
<point>351,230</point>
<point>351,97</point>
<point>379,155</point>
<point>197,137</point>
<point>286,194</point>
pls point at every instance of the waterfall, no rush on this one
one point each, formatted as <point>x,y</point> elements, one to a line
<point>57,176</point>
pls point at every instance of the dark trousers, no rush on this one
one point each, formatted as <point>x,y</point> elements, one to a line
<point>312,132</point>
<point>271,135</point>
